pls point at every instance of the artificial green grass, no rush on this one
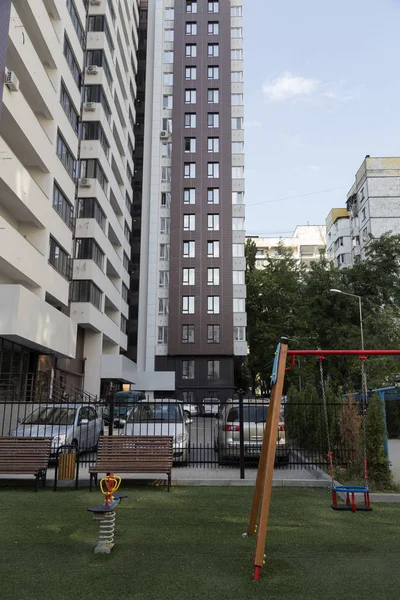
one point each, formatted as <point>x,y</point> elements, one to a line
<point>188,545</point>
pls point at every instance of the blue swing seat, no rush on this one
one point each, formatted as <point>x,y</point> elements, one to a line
<point>351,491</point>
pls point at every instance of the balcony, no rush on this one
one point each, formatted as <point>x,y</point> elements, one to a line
<point>117,366</point>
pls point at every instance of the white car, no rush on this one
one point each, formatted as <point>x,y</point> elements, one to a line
<point>78,425</point>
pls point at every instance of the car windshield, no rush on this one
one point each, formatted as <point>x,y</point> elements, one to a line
<point>251,414</point>
<point>55,415</point>
<point>155,412</point>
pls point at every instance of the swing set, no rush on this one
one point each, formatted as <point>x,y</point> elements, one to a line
<point>258,522</point>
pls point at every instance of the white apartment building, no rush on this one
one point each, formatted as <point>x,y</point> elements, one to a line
<point>338,237</point>
<point>374,202</point>
<point>307,243</point>
<point>64,248</point>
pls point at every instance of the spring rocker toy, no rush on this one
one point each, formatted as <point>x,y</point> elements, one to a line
<point>106,513</point>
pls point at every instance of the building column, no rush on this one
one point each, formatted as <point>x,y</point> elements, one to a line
<point>92,352</point>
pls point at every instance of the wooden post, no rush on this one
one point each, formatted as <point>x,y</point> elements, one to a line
<point>262,495</point>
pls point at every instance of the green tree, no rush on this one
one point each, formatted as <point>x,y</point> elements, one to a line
<point>378,467</point>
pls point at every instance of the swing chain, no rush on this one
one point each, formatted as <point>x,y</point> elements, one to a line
<point>364,401</point>
<point>321,370</point>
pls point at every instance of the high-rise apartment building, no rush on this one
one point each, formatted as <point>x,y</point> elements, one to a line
<point>338,238</point>
<point>190,300</point>
<point>66,165</point>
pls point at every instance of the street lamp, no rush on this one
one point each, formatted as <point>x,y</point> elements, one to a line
<point>360,307</point>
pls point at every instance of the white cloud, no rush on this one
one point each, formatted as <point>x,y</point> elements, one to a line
<point>288,86</point>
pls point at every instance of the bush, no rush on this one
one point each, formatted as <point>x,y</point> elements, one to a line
<point>378,468</point>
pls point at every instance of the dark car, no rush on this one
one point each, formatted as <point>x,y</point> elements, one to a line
<point>123,404</point>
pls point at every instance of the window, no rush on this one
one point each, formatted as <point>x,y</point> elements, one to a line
<point>191,50</point>
<point>365,234</point>
<point>125,262</point>
<point>189,170</point>
<point>238,250</point>
<point>189,249</point>
<point>213,120</point>
<point>69,109</point>
<point>213,50</point>
<point>239,305</point>
<point>95,93</point>
<point>213,305</point>
<point>213,249</point>
<point>213,196</point>
<point>213,7</point>
<point>125,293</point>
<point>188,397</point>
<point>189,196</point>
<point>99,23</point>
<point>88,249</point>
<point>168,57</point>
<point>127,231</point>
<point>239,334</point>
<point>162,335</point>
<point>84,290</point>
<point>237,99</point>
<point>213,334</point>
<point>237,76</point>
<point>238,278</point>
<point>166,150</point>
<point>191,6</point>
<point>213,73</point>
<point>165,199</point>
<point>213,96</point>
<point>62,206</point>
<point>363,214</point>
<point>163,307</point>
<point>362,195</point>
<point>163,279</point>
<point>190,120</point>
<point>237,123</point>
<point>66,156</point>
<point>167,125</point>
<point>238,223</point>
<point>92,169</point>
<point>190,73</point>
<point>123,324</point>
<point>92,130</point>
<point>236,32</point>
<point>75,21</point>
<point>213,144</point>
<point>213,276</point>
<point>60,259</point>
<point>191,28</point>
<point>167,101</point>
<point>213,370</point>
<point>237,147</point>
<point>190,96</point>
<point>237,197</point>
<point>213,222</point>
<point>237,172</point>
<point>236,11</point>
<point>169,14</point>
<point>98,57</point>
<point>188,369</point>
<point>164,251</point>
<point>213,170</point>
<point>166,174</point>
<point>169,35</point>
<point>188,305</point>
<point>189,222</point>
<point>165,224</point>
<point>72,62</point>
<point>187,334</point>
<point>188,276</point>
<point>168,79</point>
<point>213,28</point>
<point>237,54</point>
<point>190,144</point>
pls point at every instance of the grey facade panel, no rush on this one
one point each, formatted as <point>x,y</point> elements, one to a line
<point>5,9</point>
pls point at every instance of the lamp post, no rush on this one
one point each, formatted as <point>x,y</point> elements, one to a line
<point>360,307</point>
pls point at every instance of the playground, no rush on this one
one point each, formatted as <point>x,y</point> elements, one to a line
<point>189,543</point>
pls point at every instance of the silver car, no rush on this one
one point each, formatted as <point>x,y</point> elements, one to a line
<point>79,425</point>
<point>162,417</point>
<point>227,431</point>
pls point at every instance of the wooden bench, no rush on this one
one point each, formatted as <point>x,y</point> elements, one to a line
<point>133,454</point>
<point>25,456</point>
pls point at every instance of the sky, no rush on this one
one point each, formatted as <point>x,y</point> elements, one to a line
<point>322,90</point>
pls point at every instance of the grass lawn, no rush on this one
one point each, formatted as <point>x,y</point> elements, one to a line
<point>188,545</point>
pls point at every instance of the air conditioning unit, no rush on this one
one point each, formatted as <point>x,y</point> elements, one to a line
<point>84,182</point>
<point>164,135</point>
<point>12,81</point>
<point>92,70</point>
<point>89,106</point>
<point>95,2</point>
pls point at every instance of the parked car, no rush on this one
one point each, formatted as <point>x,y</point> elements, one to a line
<point>192,410</point>
<point>78,425</point>
<point>209,406</point>
<point>227,431</point>
<point>162,417</point>
<point>123,403</point>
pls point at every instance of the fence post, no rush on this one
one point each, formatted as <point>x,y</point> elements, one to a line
<point>241,434</point>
